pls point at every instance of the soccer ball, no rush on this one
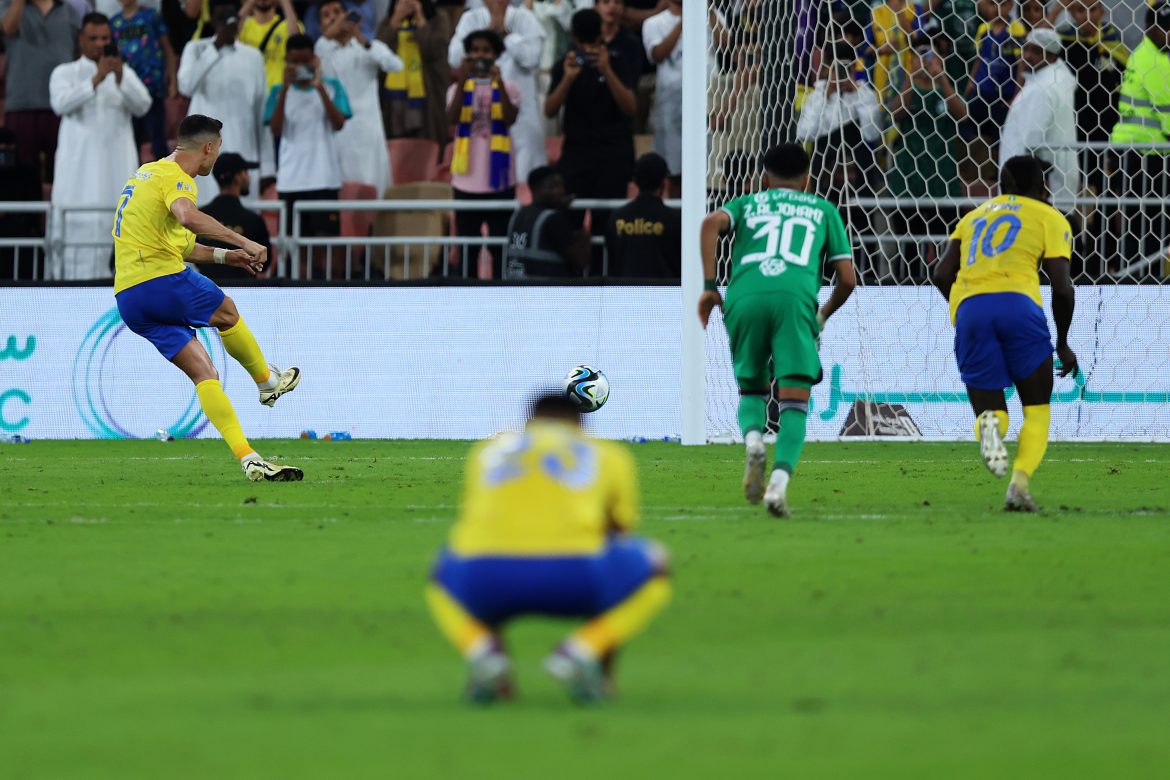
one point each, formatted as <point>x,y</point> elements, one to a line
<point>587,388</point>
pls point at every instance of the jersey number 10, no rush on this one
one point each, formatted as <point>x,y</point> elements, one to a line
<point>983,237</point>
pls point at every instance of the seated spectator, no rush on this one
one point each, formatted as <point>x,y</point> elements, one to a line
<point>483,108</point>
<point>645,236</point>
<point>145,45</point>
<point>18,182</point>
<point>595,84</point>
<point>419,34</point>
<point>305,113</point>
<point>358,64</point>
<point>991,87</point>
<point>662,37</point>
<point>231,174</point>
<point>542,242</point>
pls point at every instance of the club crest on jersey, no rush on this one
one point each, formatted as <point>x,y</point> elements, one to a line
<point>773,266</point>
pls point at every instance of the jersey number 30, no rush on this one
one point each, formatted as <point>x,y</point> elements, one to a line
<point>781,249</point>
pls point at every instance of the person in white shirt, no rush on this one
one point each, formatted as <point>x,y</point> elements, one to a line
<point>524,44</point>
<point>358,63</point>
<point>1042,119</point>
<point>97,97</point>
<point>225,79</point>
<point>662,38</point>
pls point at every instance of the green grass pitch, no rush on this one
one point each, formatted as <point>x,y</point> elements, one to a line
<point>160,617</point>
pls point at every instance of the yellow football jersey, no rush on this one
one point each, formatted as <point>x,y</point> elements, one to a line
<point>546,491</point>
<point>254,34</point>
<point>1001,245</point>
<point>149,242</point>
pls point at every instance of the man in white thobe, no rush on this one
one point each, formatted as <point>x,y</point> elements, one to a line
<point>225,79</point>
<point>524,41</point>
<point>97,97</point>
<point>347,55</point>
<point>1042,119</point>
<point>662,39</point>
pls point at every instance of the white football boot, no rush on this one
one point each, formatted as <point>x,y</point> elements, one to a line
<point>776,495</point>
<point>1018,499</point>
<point>260,470</point>
<point>995,455</point>
<point>754,470</point>
<point>287,382</point>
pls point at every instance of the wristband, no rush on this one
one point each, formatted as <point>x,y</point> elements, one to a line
<point>820,321</point>
<point>709,285</point>
<point>219,255</point>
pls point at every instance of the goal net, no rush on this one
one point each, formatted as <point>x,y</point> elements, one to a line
<point>905,112</point>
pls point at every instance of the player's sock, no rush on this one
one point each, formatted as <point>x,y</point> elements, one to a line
<point>753,413</point>
<point>1001,417</point>
<point>790,439</point>
<point>1033,443</point>
<point>753,439</point>
<point>219,410</point>
<point>241,345</point>
<point>613,628</point>
<point>780,479</point>
<point>470,637</point>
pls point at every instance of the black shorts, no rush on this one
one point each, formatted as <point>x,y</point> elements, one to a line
<point>314,224</point>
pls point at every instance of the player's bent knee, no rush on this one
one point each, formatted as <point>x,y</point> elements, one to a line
<point>227,315</point>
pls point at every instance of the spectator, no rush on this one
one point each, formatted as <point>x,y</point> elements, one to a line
<point>960,22</point>
<point>314,24</point>
<point>523,45</point>
<point>225,80</point>
<point>231,174</point>
<point>1042,119</point>
<point>482,168</point>
<point>1032,15</point>
<point>97,97</point>
<point>37,39</point>
<point>645,236</point>
<point>305,113</point>
<point>991,87</point>
<point>888,35</point>
<point>145,45</point>
<point>595,84</point>
<point>662,37</point>
<point>542,242</point>
<point>556,16</point>
<point>18,182</point>
<point>268,31</point>
<point>419,34</point>
<point>199,12</point>
<point>637,12</point>
<point>358,64</point>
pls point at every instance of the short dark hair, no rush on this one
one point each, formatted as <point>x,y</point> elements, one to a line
<point>298,42</point>
<point>786,161</point>
<point>324,3</point>
<point>197,128</point>
<point>538,176</point>
<point>650,171</point>
<point>557,406</point>
<point>1024,175</point>
<point>586,26</point>
<point>491,36</point>
<point>95,18</point>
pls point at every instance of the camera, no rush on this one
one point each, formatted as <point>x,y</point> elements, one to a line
<point>110,50</point>
<point>482,67</point>
<point>303,73</point>
<point>581,57</point>
<point>353,17</point>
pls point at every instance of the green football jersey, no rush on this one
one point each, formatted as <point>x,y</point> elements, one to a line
<point>782,240</point>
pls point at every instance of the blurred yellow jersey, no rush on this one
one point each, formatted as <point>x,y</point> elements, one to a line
<point>1002,244</point>
<point>149,242</point>
<point>548,491</point>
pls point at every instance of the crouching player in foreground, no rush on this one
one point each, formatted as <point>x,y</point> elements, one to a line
<point>162,300</point>
<point>544,530</point>
<point>783,237</point>
<point>990,275</point>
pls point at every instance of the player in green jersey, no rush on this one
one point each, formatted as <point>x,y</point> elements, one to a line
<point>783,237</point>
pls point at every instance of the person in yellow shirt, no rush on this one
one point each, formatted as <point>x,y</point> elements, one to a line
<point>990,275</point>
<point>268,31</point>
<point>545,529</point>
<point>162,300</point>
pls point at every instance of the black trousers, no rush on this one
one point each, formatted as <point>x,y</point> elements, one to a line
<point>1142,231</point>
<point>469,224</point>
<point>602,174</point>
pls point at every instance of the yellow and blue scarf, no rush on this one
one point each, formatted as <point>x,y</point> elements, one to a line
<point>408,84</point>
<point>501,162</point>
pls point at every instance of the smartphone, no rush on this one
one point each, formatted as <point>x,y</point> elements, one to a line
<point>483,66</point>
<point>353,17</point>
<point>581,56</point>
<point>110,50</point>
<point>303,73</point>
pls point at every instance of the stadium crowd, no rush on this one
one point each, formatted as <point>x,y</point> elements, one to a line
<point>441,99</point>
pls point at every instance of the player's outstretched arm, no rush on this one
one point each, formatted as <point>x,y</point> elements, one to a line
<point>846,283</point>
<point>233,257</point>
<point>714,225</point>
<point>201,224</point>
<point>1064,297</point>
<point>947,270</point>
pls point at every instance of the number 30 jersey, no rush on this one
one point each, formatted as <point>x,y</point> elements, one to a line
<point>782,240</point>
<point>1001,244</point>
<point>548,491</point>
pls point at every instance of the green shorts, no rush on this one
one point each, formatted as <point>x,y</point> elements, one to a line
<point>763,326</point>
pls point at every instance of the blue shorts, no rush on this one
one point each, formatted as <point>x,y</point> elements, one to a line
<point>1000,339</point>
<point>165,310</point>
<point>497,589</point>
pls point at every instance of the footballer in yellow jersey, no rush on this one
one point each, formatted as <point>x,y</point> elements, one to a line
<point>990,275</point>
<point>163,300</point>
<point>545,530</point>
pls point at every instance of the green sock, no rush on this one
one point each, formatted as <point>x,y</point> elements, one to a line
<point>790,439</point>
<point>753,412</point>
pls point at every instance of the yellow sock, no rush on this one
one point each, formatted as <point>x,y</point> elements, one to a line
<point>1033,441</point>
<point>461,629</point>
<point>1001,417</point>
<point>219,410</point>
<point>616,626</point>
<point>241,345</point>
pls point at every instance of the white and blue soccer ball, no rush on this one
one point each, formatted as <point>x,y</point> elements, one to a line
<point>587,388</point>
